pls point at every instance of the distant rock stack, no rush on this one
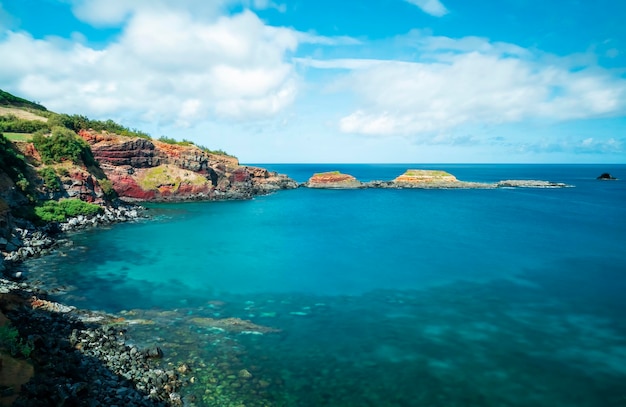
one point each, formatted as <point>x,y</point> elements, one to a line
<point>606,177</point>
<point>425,177</point>
<point>333,180</point>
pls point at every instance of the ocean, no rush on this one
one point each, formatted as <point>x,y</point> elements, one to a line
<point>377,297</point>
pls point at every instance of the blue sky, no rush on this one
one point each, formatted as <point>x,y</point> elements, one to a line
<point>324,81</point>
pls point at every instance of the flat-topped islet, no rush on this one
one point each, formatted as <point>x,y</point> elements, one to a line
<point>418,179</point>
<point>425,176</point>
<point>333,180</point>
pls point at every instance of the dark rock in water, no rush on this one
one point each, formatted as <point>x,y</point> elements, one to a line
<point>154,352</point>
<point>606,176</point>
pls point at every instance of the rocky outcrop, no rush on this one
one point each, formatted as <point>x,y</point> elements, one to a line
<point>606,177</point>
<point>420,179</point>
<point>151,170</point>
<point>425,177</point>
<point>73,180</point>
<point>529,184</point>
<point>333,180</point>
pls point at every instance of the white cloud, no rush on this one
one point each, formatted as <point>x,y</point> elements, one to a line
<point>116,12</point>
<point>166,64</point>
<point>480,84</point>
<point>432,7</point>
<point>349,64</point>
<point>311,38</point>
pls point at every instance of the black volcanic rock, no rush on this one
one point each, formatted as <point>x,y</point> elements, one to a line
<point>606,176</point>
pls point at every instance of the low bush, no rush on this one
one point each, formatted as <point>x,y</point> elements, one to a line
<point>78,122</point>
<point>107,188</point>
<point>12,124</point>
<point>170,140</point>
<point>50,179</point>
<point>13,163</point>
<point>11,342</point>
<point>63,145</point>
<point>216,152</point>
<point>53,211</point>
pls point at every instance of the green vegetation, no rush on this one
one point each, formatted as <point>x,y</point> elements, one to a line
<point>216,152</point>
<point>10,341</point>
<point>12,123</point>
<point>63,145</point>
<point>50,178</point>
<point>165,175</point>
<point>77,122</point>
<point>7,99</point>
<point>319,174</point>
<point>53,211</point>
<point>173,141</point>
<point>429,173</point>
<point>107,188</point>
<point>18,136</point>
<point>13,163</point>
<point>184,142</point>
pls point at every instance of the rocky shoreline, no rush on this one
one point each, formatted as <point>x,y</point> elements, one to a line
<point>29,241</point>
<point>80,357</point>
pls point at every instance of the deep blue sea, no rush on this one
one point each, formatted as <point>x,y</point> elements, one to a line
<point>503,297</point>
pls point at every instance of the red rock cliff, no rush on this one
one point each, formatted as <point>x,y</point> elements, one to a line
<point>143,169</point>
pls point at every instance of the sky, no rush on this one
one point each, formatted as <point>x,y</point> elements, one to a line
<point>320,81</point>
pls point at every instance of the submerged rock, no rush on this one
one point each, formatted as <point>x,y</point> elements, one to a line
<point>234,325</point>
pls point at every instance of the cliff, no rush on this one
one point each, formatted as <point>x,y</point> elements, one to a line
<point>152,170</point>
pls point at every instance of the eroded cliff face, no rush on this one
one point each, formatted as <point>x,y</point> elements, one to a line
<point>151,170</point>
<point>74,180</point>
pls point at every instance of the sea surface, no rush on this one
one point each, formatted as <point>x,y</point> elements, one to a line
<point>378,297</point>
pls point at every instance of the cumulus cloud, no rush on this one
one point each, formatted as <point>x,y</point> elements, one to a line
<point>457,84</point>
<point>115,12</point>
<point>169,65</point>
<point>432,7</point>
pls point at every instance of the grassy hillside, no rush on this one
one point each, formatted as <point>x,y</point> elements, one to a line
<point>7,99</point>
<point>18,123</point>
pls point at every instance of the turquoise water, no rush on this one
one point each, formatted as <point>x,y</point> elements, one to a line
<point>508,297</point>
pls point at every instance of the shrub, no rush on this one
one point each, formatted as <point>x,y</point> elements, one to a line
<point>12,124</point>
<point>13,163</point>
<point>10,341</point>
<point>170,140</point>
<point>50,179</point>
<point>73,122</point>
<point>63,145</point>
<point>107,188</point>
<point>53,211</point>
<point>78,122</point>
<point>216,152</point>
<point>22,183</point>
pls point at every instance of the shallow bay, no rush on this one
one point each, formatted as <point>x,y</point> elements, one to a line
<point>382,297</point>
